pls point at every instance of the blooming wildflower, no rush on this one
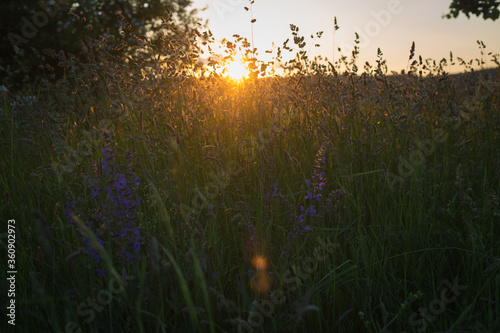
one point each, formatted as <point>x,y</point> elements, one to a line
<point>313,193</point>
<point>70,206</point>
<point>95,192</point>
<point>312,211</point>
<point>117,206</point>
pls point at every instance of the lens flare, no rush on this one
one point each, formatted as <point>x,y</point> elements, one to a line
<point>259,262</point>
<point>260,282</point>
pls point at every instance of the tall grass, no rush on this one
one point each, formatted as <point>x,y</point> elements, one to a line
<point>320,200</point>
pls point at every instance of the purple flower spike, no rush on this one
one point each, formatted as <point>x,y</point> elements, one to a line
<point>312,211</point>
<point>113,216</point>
<point>70,206</point>
<point>314,187</point>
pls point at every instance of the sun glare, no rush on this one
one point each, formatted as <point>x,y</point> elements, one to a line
<point>236,70</point>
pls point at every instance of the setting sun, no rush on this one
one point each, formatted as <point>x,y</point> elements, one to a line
<point>236,70</point>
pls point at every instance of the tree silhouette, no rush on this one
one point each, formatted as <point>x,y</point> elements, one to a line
<point>31,26</point>
<point>486,8</point>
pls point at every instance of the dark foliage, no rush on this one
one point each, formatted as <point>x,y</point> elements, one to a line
<point>29,27</point>
<point>488,9</point>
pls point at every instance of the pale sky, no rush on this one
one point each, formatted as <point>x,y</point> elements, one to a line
<point>391,25</point>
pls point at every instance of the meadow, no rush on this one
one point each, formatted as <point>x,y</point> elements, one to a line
<point>148,198</point>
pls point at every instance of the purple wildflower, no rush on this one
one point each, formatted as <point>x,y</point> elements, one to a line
<point>312,211</point>
<point>70,206</point>
<point>95,192</point>
<point>117,206</point>
<point>313,193</point>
